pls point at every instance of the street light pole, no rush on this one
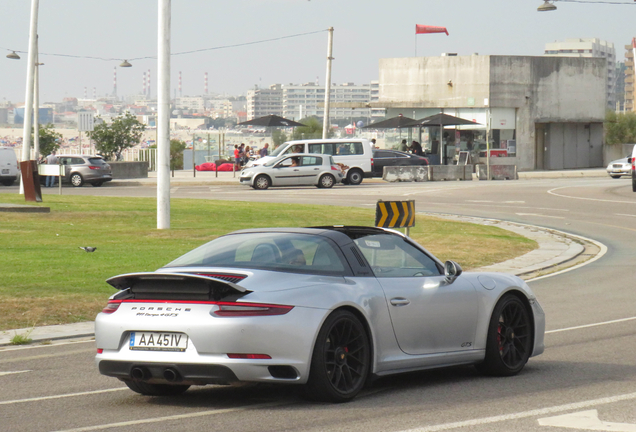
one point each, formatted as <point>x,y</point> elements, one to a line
<point>28,103</point>
<point>325,122</point>
<point>163,117</point>
<point>36,103</point>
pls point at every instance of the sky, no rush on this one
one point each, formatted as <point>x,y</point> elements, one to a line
<point>365,31</point>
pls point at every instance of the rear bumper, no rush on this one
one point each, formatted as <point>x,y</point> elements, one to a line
<point>193,374</point>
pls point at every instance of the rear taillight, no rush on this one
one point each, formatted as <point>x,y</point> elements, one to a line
<point>93,167</point>
<point>100,350</point>
<point>371,161</point>
<point>249,309</point>
<point>335,168</point>
<point>111,307</point>
<point>250,356</point>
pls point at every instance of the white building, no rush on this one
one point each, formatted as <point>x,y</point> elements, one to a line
<point>593,47</point>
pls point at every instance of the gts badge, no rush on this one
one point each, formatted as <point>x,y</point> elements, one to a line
<point>467,344</point>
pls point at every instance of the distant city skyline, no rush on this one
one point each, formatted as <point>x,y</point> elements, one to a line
<point>364,33</point>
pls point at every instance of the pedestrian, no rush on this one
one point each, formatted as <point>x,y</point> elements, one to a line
<point>51,160</point>
<point>373,143</point>
<point>241,154</point>
<point>236,157</point>
<point>416,148</point>
<point>264,152</point>
<point>247,154</point>
<point>403,147</point>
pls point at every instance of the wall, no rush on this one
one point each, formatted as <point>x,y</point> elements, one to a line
<point>126,170</point>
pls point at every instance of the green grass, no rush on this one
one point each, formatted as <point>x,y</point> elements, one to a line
<point>46,278</point>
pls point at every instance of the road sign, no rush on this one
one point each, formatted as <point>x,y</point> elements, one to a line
<point>85,121</point>
<point>395,214</point>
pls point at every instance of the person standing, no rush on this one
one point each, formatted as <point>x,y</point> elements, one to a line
<point>264,151</point>
<point>236,157</point>
<point>416,148</point>
<point>51,160</point>
<point>403,147</point>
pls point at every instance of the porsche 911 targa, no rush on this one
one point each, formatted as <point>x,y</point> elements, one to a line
<point>325,307</point>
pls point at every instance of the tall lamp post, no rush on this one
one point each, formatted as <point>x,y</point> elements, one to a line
<point>163,116</point>
<point>30,87</point>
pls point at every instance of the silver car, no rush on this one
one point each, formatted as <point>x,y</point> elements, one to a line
<point>323,307</point>
<point>618,168</point>
<point>81,169</point>
<point>294,170</point>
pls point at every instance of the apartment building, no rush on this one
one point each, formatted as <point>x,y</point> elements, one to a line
<point>592,47</point>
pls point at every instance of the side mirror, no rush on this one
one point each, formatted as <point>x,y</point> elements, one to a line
<point>629,160</point>
<point>452,270</point>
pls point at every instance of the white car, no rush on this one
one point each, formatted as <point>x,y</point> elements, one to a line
<point>355,153</point>
<point>294,170</point>
<point>618,168</point>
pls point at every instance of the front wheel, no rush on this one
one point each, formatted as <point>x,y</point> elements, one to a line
<point>615,176</point>
<point>98,184</point>
<point>509,338</point>
<point>156,389</point>
<point>633,184</point>
<point>354,177</point>
<point>340,361</point>
<point>326,181</point>
<point>8,182</point>
<point>262,182</point>
<point>77,180</point>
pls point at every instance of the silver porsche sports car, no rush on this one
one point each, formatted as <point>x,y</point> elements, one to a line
<point>325,307</point>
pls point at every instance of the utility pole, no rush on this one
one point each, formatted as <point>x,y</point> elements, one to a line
<point>163,116</point>
<point>28,103</point>
<point>325,122</point>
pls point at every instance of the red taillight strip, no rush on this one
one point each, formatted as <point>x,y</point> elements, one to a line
<point>250,356</point>
<point>112,306</point>
<point>226,309</point>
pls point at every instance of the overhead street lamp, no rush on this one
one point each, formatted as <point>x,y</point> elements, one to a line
<point>13,56</point>
<point>125,64</point>
<point>546,7</point>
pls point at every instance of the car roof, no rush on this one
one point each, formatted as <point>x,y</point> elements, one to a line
<point>340,234</point>
<point>79,155</point>
<point>328,140</point>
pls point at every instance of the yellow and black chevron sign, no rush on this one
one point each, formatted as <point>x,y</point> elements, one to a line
<point>395,214</point>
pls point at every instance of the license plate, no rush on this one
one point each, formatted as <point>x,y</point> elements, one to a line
<point>5,171</point>
<point>617,170</point>
<point>154,341</point>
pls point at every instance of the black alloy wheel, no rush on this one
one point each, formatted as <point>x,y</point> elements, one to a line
<point>509,340</point>
<point>340,361</point>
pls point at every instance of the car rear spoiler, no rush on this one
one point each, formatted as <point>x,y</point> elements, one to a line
<point>175,286</point>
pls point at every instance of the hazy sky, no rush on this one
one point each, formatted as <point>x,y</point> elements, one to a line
<point>365,31</point>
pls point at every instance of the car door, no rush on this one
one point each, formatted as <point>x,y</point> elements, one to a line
<point>309,170</point>
<point>380,160</point>
<point>284,174</point>
<point>429,314</point>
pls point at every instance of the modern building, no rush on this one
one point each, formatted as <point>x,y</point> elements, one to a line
<point>537,112</point>
<point>593,47</point>
<point>630,94</point>
<point>296,101</point>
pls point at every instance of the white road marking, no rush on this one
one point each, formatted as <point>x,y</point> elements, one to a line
<point>170,418</point>
<point>479,201</point>
<point>524,414</point>
<point>540,215</point>
<point>13,372</point>
<point>37,399</point>
<point>514,202</point>
<point>586,420</point>
<point>621,214</point>
<point>591,325</point>
<point>551,192</point>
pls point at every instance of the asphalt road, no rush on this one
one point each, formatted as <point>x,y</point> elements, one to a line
<point>585,380</point>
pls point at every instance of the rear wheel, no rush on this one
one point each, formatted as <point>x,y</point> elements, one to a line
<point>262,182</point>
<point>633,183</point>
<point>156,389</point>
<point>354,177</point>
<point>326,181</point>
<point>615,176</point>
<point>509,339</point>
<point>340,361</point>
<point>77,180</point>
<point>98,184</point>
<point>7,182</point>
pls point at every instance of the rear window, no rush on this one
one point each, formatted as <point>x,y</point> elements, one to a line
<point>296,253</point>
<point>96,161</point>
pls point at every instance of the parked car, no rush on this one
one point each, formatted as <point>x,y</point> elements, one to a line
<point>632,160</point>
<point>82,169</point>
<point>8,166</point>
<point>323,307</point>
<point>293,170</point>
<point>356,153</point>
<point>618,168</point>
<point>382,158</point>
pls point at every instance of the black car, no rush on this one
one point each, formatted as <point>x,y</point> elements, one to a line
<point>382,158</point>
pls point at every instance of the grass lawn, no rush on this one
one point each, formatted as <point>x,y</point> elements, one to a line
<point>46,279</point>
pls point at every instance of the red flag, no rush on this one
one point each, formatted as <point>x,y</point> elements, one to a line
<point>419,29</point>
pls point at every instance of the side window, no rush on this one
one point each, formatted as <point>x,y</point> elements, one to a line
<point>77,161</point>
<point>356,148</point>
<point>311,160</point>
<point>64,161</point>
<point>381,155</point>
<point>285,163</point>
<point>391,256</point>
<point>315,148</point>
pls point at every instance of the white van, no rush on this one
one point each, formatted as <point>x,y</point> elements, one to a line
<point>8,166</point>
<point>356,153</point>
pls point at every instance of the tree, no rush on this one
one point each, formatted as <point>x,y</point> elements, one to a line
<point>620,128</point>
<point>111,139</point>
<point>176,154</point>
<point>278,137</point>
<point>49,139</point>
<point>312,130</point>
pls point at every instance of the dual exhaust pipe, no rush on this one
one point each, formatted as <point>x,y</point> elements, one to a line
<point>139,373</point>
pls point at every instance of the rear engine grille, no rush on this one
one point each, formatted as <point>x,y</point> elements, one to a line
<point>234,278</point>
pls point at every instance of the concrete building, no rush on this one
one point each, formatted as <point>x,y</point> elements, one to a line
<point>539,112</point>
<point>593,47</point>
<point>262,102</point>
<point>630,94</point>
